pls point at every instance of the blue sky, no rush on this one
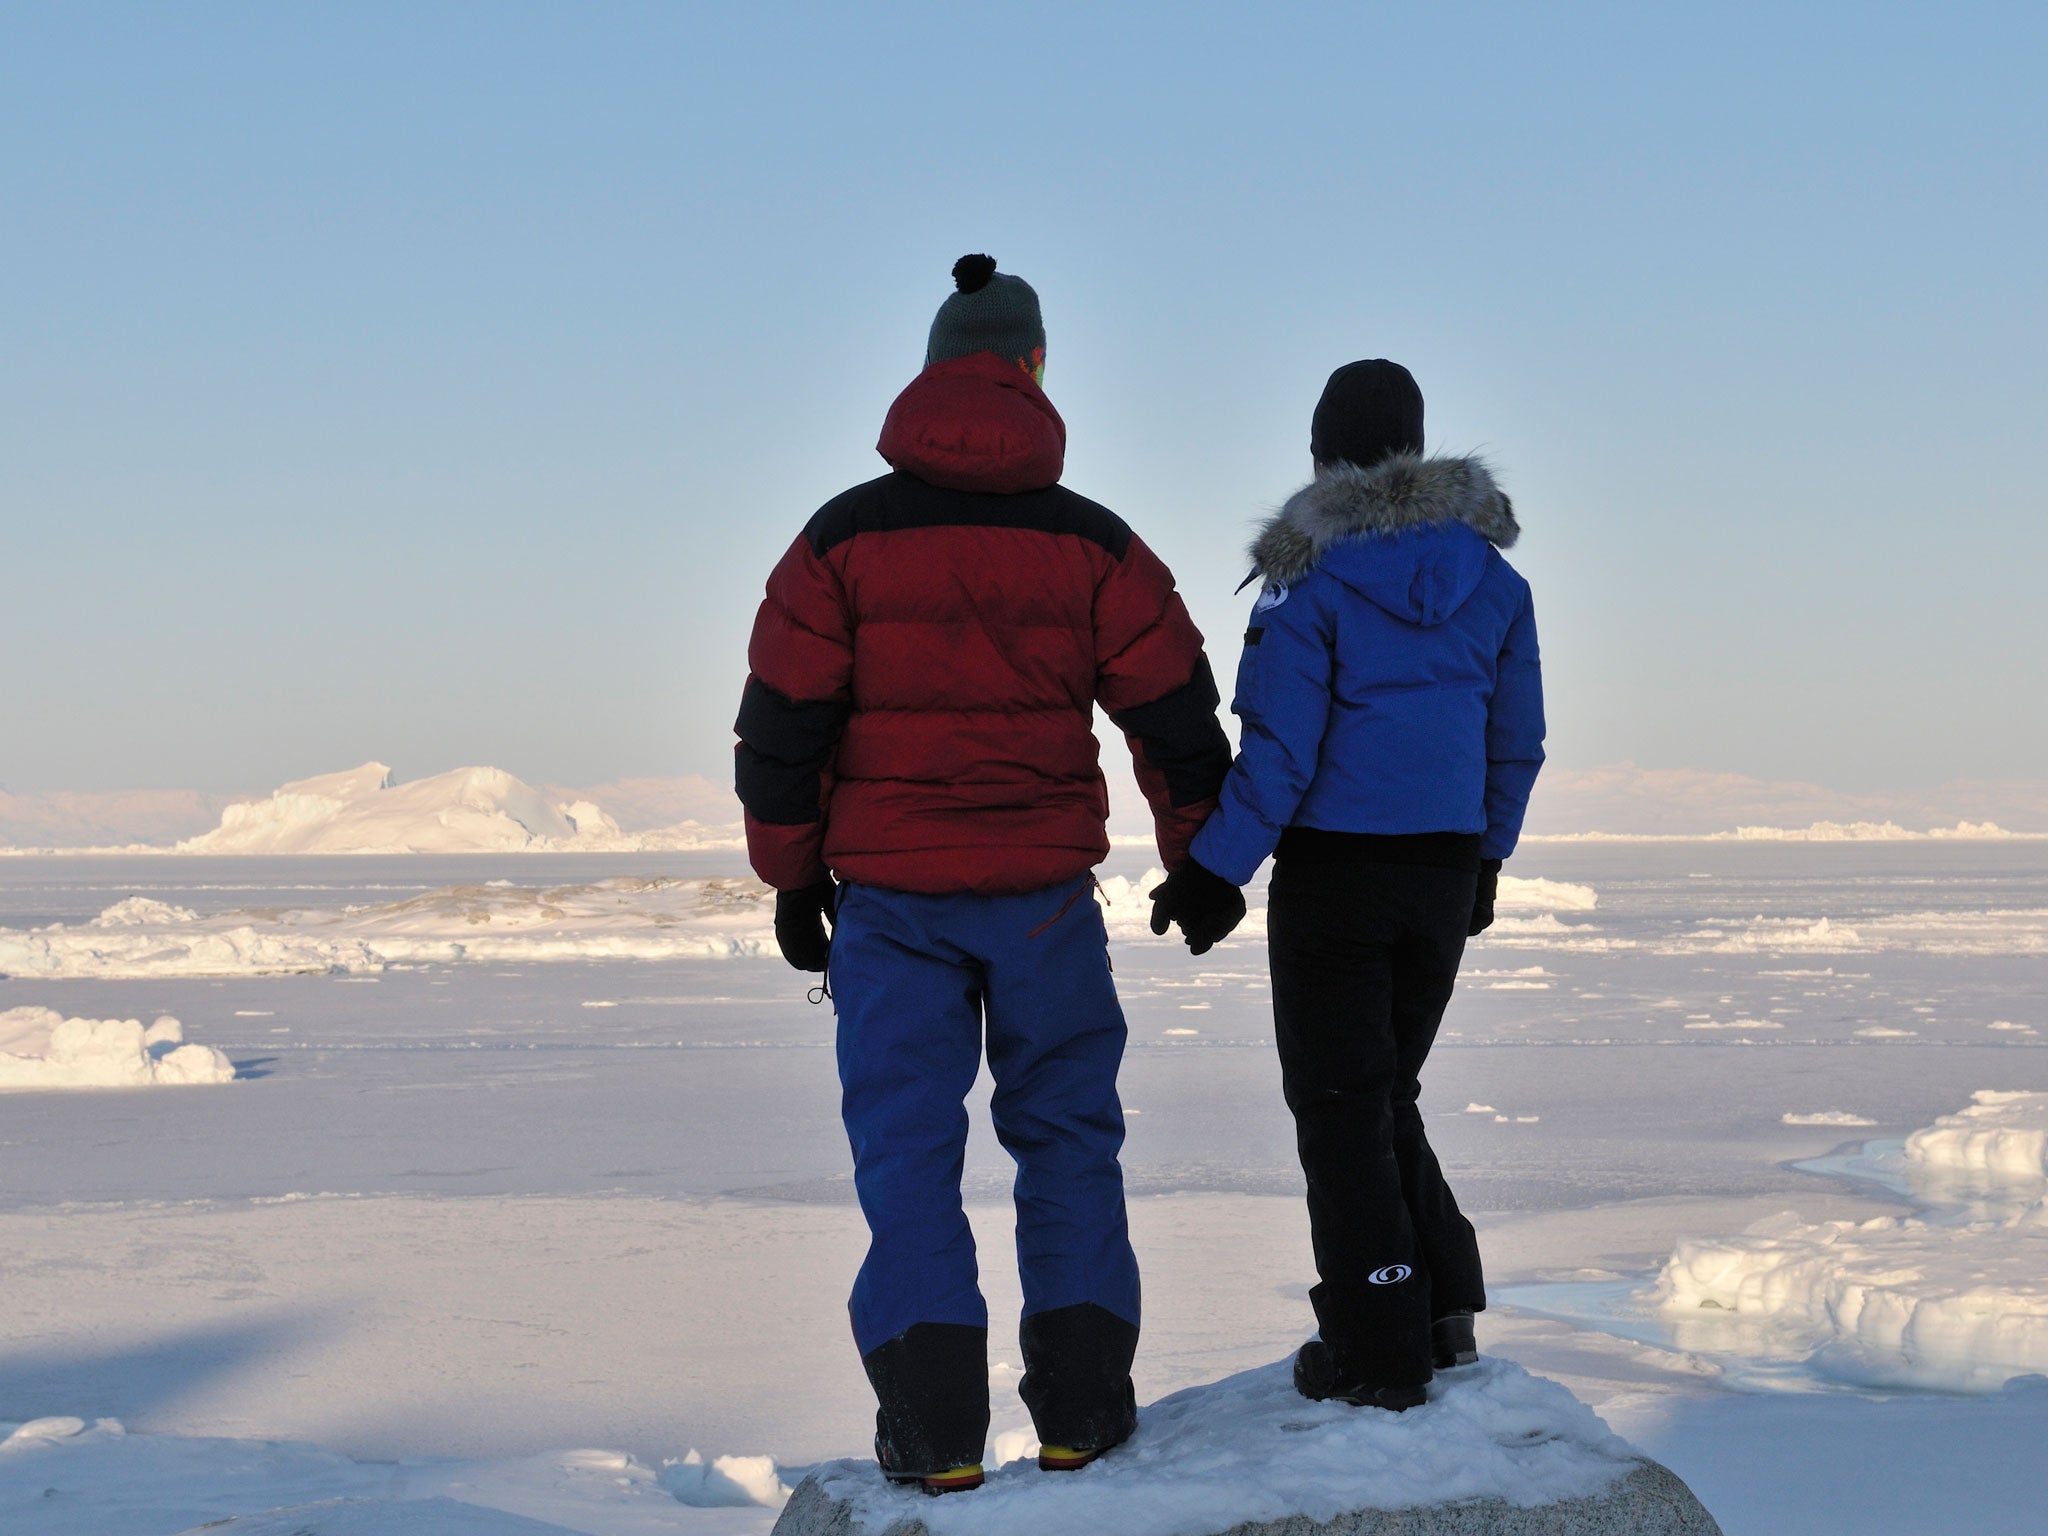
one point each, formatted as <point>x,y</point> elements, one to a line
<point>438,382</point>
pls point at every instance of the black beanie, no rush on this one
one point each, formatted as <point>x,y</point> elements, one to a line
<point>1369,410</point>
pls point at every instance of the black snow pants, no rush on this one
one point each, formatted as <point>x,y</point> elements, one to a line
<point>1364,937</point>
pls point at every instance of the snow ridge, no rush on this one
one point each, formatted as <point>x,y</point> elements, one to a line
<point>625,918</point>
<point>366,810</point>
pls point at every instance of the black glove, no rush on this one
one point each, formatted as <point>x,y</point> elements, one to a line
<point>1482,899</point>
<point>1206,906</point>
<point>800,925</point>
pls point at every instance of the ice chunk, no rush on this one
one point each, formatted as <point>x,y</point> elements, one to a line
<point>143,912</point>
<point>2001,1136</point>
<point>725,1482</point>
<point>1956,1298</point>
<point>40,1048</point>
<point>1536,894</point>
<point>39,1431</point>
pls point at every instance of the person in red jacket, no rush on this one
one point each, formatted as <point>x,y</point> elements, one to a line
<point>918,765</point>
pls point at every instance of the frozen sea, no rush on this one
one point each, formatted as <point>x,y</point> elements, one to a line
<point>553,1230</point>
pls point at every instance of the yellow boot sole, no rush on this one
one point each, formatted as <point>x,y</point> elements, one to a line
<point>1063,1458</point>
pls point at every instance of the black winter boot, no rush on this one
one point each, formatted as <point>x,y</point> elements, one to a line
<point>1320,1377</point>
<point>931,1381</point>
<point>1077,1383</point>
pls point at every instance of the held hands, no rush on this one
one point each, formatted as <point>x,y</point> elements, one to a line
<point>800,925</point>
<point>1482,900</point>
<point>1206,906</point>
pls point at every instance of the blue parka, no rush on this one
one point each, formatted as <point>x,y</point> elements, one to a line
<point>1390,680</point>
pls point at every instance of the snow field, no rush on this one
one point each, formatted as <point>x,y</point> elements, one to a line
<point>1842,1464</point>
<point>40,1048</point>
<point>1250,1448</point>
<point>61,1477</point>
<point>1956,1299</point>
<point>516,1291</point>
<point>471,1331</point>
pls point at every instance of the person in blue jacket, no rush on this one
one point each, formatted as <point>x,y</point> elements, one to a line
<point>1392,710</point>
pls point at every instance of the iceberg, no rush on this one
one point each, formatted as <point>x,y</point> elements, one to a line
<point>40,1048</point>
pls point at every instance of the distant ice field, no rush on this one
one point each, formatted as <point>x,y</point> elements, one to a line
<point>1589,1055</point>
<point>599,1199</point>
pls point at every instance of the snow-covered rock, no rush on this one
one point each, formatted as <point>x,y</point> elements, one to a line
<point>1495,1450</point>
<point>40,1048</point>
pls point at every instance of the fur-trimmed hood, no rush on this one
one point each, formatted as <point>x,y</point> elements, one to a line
<point>1397,494</point>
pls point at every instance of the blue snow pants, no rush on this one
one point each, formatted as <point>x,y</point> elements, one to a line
<point>916,979</point>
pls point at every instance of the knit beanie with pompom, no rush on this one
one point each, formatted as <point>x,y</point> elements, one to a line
<point>991,312</point>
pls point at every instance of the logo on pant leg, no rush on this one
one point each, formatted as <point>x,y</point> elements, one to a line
<point>1392,1274</point>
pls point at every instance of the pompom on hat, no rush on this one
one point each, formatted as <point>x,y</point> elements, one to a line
<point>991,311</point>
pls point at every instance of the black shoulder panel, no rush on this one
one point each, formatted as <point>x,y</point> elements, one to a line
<point>901,501</point>
<point>846,514</point>
<point>1182,737</point>
<point>783,748</point>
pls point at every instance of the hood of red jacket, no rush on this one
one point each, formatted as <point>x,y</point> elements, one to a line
<point>976,423</point>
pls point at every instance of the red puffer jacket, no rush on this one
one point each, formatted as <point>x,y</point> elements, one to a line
<point>928,659</point>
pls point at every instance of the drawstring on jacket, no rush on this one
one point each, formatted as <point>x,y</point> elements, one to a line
<point>1079,891</point>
